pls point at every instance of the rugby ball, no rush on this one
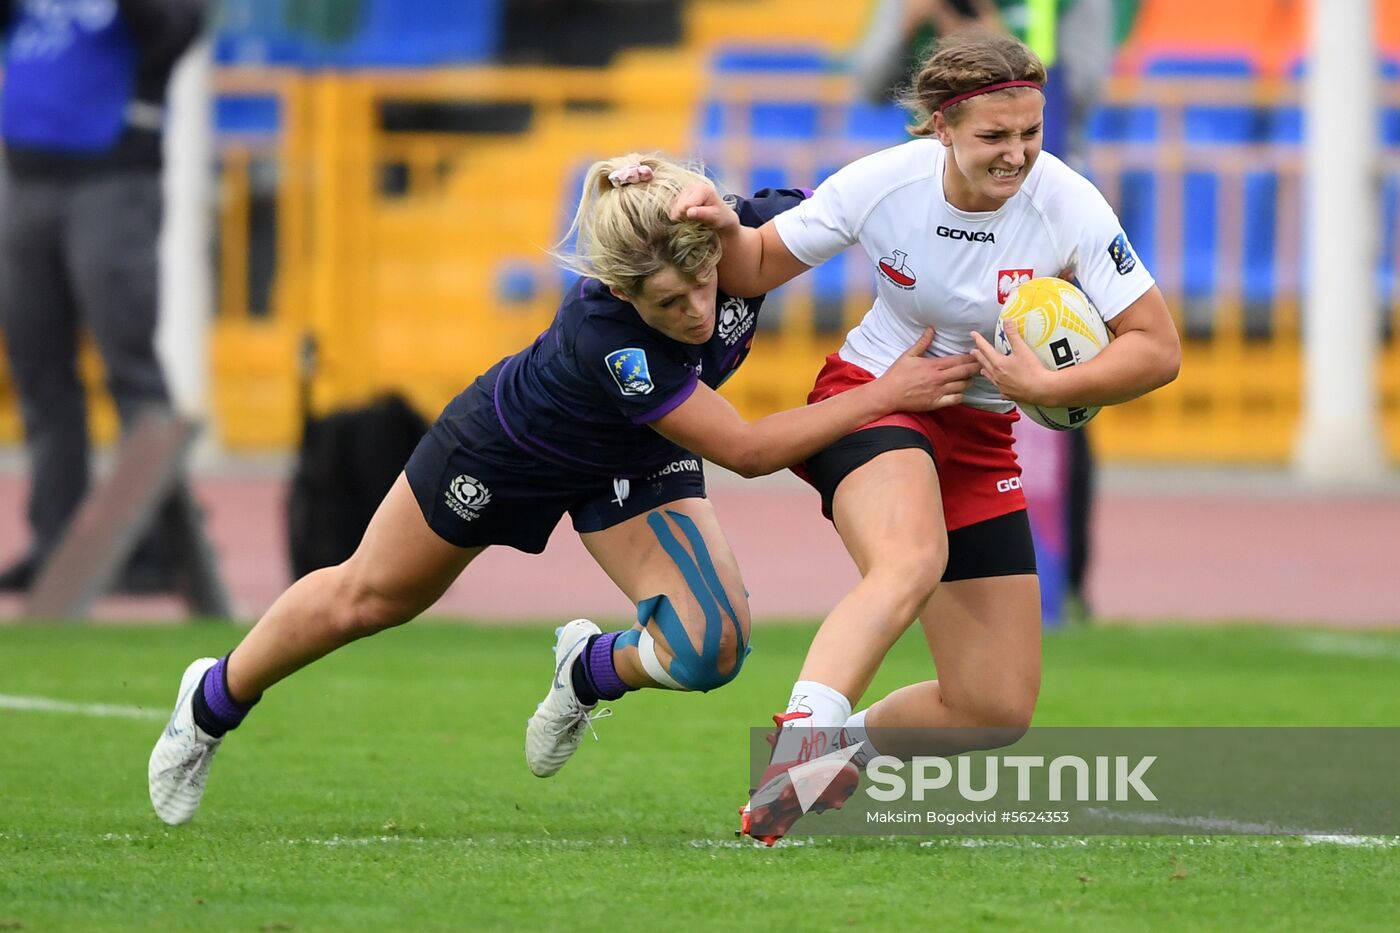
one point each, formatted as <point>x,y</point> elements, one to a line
<point>1062,326</point>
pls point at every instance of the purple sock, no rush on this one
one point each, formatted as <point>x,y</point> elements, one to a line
<point>215,709</point>
<point>600,678</point>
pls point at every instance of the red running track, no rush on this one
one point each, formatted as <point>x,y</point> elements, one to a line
<point>1196,547</point>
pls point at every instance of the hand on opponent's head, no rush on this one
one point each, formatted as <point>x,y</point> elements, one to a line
<point>1021,376</point>
<point>703,204</point>
<point>920,383</point>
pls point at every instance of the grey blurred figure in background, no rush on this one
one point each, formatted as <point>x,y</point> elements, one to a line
<point>81,116</point>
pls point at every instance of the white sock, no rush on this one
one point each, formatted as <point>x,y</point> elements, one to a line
<point>828,710</point>
<point>828,707</point>
<point>855,732</point>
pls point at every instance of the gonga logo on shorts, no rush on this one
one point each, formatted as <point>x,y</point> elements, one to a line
<point>467,496</point>
<point>629,370</point>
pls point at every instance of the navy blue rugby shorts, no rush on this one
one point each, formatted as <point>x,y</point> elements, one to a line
<point>476,488</point>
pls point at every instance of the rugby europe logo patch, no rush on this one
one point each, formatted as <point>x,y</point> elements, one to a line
<point>628,367</point>
<point>1122,254</point>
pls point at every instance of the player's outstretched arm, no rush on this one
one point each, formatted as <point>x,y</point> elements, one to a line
<point>708,425</point>
<point>1144,354</point>
<point>754,260</point>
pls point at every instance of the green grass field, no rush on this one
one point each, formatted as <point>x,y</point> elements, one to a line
<point>385,788</point>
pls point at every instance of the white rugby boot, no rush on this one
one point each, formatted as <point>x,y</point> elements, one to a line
<point>180,761</point>
<point>558,725</point>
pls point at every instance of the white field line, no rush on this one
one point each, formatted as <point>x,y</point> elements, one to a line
<point>951,842</point>
<point>108,710</point>
<point>1205,824</point>
<point>1348,646</point>
<point>1211,824</point>
<point>1361,842</point>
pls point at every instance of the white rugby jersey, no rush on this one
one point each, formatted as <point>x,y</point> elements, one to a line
<point>951,269</point>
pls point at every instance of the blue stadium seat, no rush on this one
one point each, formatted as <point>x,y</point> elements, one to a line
<point>767,59</point>
<point>517,282</point>
<point>881,123</point>
<point>1234,124</point>
<point>425,32</point>
<point>712,120</point>
<point>1390,220</point>
<point>767,119</point>
<point>767,176</point>
<point>248,116</point>
<point>1127,123</point>
<point>1259,280</point>
<point>1200,235</point>
<point>1285,126</point>
<point>1204,65</point>
<point>1390,126</point>
<point>390,33</point>
<point>258,48</point>
<point>761,120</point>
<point>784,120</point>
<point>1137,211</point>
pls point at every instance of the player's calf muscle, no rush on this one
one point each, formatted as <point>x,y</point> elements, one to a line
<point>1008,706</point>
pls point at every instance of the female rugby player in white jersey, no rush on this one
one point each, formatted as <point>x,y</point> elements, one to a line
<point>930,505</point>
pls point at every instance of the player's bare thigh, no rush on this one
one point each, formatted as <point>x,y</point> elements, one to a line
<point>891,509</point>
<point>402,559</point>
<point>400,568</point>
<point>889,514</point>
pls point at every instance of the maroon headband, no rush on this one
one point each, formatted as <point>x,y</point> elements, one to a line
<point>977,92</point>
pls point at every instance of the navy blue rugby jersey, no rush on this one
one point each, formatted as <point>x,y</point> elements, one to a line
<point>584,394</point>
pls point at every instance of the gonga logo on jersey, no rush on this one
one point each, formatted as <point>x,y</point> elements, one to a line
<point>467,496</point>
<point>1122,254</point>
<point>896,269</point>
<point>734,315</point>
<point>628,367</point>
<point>1008,280</point>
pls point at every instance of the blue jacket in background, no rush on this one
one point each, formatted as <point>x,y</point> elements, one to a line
<point>85,80</point>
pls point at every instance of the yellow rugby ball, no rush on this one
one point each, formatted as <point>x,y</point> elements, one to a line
<point>1062,326</point>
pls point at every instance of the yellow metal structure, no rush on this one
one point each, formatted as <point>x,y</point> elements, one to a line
<point>418,259</point>
<point>390,246</point>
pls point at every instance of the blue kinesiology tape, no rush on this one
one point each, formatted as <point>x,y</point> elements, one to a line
<point>691,669</point>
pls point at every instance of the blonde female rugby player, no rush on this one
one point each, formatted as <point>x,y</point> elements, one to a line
<point>605,417</point>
